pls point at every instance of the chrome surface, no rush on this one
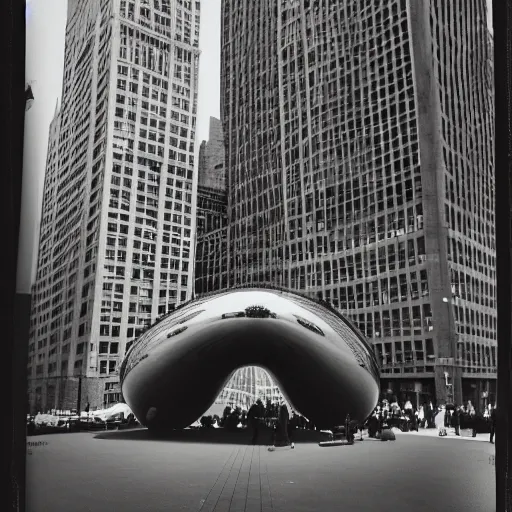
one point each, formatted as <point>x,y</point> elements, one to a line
<point>174,372</point>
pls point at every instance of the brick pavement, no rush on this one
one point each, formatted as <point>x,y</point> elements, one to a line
<point>464,435</point>
<point>242,484</point>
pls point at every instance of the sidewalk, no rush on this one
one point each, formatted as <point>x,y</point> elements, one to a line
<point>432,432</point>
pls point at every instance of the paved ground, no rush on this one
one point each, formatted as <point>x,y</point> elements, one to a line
<point>464,434</point>
<point>128,471</point>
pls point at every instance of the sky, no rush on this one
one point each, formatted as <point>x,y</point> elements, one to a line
<point>46,24</point>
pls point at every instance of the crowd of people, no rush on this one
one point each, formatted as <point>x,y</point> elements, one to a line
<point>274,416</point>
<point>406,417</point>
<point>277,417</point>
<point>388,413</point>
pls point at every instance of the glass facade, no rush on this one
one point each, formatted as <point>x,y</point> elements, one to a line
<point>332,184</point>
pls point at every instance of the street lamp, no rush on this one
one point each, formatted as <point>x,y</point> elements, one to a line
<point>450,387</point>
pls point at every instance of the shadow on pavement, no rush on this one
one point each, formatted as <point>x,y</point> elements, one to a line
<point>207,435</point>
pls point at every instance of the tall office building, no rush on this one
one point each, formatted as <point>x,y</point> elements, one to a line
<point>211,214</point>
<point>360,170</point>
<point>212,173</point>
<point>211,187</point>
<point>116,242</point>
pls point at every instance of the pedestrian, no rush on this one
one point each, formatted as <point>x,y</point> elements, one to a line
<point>447,418</point>
<point>472,418</point>
<point>414,421</point>
<point>439,421</point>
<point>373,425</point>
<point>428,415</point>
<point>456,420</point>
<point>493,424</point>
<point>281,430</point>
<point>421,416</point>
<point>254,418</point>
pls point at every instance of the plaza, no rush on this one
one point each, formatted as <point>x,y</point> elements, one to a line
<point>191,471</point>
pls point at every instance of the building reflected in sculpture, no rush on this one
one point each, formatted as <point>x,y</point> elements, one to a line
<point>247,385</point>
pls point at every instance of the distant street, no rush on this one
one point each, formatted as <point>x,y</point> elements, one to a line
<point>125,470</point>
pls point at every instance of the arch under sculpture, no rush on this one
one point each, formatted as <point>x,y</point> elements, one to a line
<point>174,372</point>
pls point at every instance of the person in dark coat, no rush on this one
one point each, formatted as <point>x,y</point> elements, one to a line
<point>456,421</point>
<point>430,415</point>
<point>447,418</point>
<point>284,418</point>
<point>493,424</point>
<point>281,430</point>
<point>373,425</point>
<point>255,416</point>
<point>414,421</point>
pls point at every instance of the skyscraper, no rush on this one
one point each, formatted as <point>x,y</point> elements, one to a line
<point>360,170</point>
<point>212,173</point>
<point>116,241</point>
<point>211,188</point>
<point>211,214</point>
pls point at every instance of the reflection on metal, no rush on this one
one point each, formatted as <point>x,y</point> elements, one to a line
<point>309,325</point>
<point>258,312</point>
<point>248,385</point>
<point>318,360</point>
<point>176,332</point>
<point>238,314</point>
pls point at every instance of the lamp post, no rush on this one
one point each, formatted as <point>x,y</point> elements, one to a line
<point>451,387</point>
<point>79,398</point>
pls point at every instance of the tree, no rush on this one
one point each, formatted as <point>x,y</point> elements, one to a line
<point>258,312</point>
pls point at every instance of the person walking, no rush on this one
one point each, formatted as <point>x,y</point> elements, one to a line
<point>493,424</point>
